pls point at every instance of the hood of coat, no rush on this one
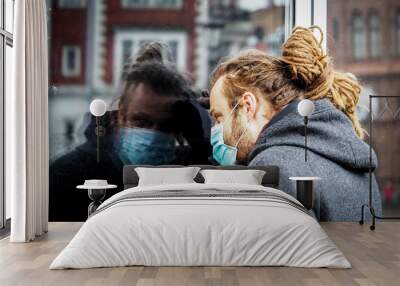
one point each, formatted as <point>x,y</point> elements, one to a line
<point>330,135</point>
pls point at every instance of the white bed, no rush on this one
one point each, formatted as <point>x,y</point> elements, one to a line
<point>185,230</point>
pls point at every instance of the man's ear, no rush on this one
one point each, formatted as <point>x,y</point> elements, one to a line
<point>250,104</point>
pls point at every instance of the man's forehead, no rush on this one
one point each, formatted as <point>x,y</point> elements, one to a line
<point>141,94</point>
<point>218,101</point>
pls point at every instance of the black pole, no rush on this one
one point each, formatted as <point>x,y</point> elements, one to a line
<point>370,150</point>
<point>305,137</point>
<point>98,139</point>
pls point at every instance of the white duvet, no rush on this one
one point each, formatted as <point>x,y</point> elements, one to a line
<point>200,231</point>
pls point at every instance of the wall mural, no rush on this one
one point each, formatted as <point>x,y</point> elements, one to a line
<point>150,61</point>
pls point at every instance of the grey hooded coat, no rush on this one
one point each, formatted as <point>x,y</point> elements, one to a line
<point>335,154</point>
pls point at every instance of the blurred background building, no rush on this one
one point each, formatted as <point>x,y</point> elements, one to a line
<point>364,39</point>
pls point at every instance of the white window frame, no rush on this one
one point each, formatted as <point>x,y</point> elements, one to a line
<point>68,5</point>
<point>306,13</point>
<point>151,4</point>
<point>65,71</point>
<point>137,36</point>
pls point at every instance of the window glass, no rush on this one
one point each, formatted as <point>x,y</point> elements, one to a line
<point>379,73</point>
<point>127,51</point>
<point>71,61</point>
<point>89,49</point>
<point>71,3</point>
<point>152,3</point>
<point>173,45</point>
<point>375,34</point>
<point>359,44</point>
<point>138,39</point>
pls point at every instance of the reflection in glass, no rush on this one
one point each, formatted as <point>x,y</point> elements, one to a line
<point>127,46</point>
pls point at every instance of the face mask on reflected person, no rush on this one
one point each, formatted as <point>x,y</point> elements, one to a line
<point>145,146</point>
<point>223,153</point>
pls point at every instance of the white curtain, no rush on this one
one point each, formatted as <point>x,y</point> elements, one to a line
<point>27,123</point>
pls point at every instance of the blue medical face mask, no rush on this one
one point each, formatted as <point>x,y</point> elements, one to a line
<point>224,154</point>
<point>144,146</point>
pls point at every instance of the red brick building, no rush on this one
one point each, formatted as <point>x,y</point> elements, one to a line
<point>68,29</point>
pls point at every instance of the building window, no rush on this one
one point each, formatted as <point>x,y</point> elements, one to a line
<point>374,34</point>
<point>71,61</point>
<point>71,3</point>
<point>129,42</point>
<point>173,46</point>
<point>166,4</point>
<point>358,36</point>
<point>397,32</point>
<point>127,46</point>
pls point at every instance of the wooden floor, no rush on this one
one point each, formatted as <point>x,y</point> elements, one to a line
<point>375,257</point>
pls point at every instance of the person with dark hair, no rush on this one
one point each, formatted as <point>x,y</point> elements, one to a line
<point>158,121</point>
<point>157,51</point>
<point>150,133</point>
<point>194,122</point>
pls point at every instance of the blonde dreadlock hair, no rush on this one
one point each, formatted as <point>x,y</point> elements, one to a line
<point>303,71</point>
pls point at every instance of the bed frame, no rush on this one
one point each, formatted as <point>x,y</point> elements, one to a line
<point>271,177</point>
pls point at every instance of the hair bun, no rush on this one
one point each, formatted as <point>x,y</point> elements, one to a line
<point>303,54</point>
<point>311,69</point>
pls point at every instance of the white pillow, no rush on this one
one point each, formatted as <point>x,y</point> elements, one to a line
<point>166,176</point>
<point>248,177</point>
